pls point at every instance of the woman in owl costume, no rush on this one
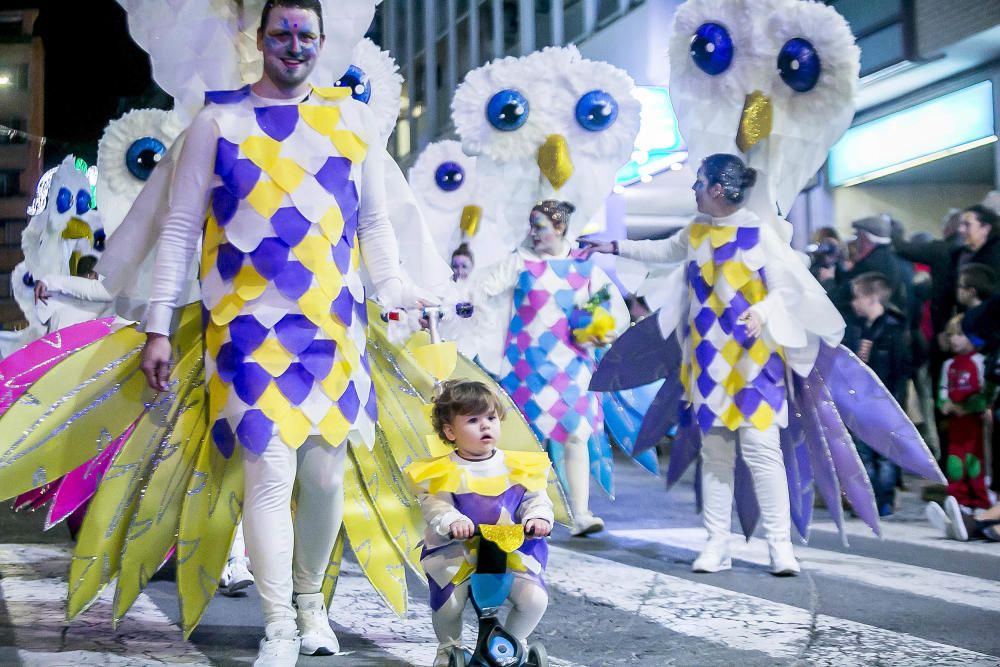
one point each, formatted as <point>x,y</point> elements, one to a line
<point>549,358</point>
<point>292,196</point>
<point>745,339</point>
<point>553,126</point>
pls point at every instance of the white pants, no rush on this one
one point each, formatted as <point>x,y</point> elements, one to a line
<point>762,453</point>
<point>576,455</point>
<point>529,601</point>
<point>291,557</point>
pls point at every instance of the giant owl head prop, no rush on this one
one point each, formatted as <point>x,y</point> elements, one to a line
<point>200,45</point>
<point>549,125</point>
<point>770,80</point>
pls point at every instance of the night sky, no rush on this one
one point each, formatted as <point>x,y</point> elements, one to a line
<point>94,72</point>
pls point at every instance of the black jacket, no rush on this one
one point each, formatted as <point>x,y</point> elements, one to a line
<point>883,261</point>
<point>890,355</point>
<point>939,256</point>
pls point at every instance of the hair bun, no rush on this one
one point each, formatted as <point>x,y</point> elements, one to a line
<point>569,208</point>
<point>749,177</point>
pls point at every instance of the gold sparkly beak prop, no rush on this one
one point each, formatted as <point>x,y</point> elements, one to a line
<point>78,229</point>
<point>508,538</point>
<point>554,160</point>
<point>756,122</point>
<point>471,216</point>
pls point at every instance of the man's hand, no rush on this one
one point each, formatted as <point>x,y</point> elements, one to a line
<point>462,529</point>
<point>156,361</point>
<point>537,528</point>
<point>752,322</point>
<point>41,292</point>
<point>588,248</point>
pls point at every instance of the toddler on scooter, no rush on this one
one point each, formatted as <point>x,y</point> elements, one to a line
<point>479,484</point>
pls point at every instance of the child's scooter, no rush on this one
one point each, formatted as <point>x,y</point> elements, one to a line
<point>489,586</point>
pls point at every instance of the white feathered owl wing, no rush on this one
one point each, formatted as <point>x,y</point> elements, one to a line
<point>770,80</point>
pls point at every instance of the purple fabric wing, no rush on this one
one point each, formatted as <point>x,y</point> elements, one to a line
<point>661,415</point>
<point>870,412</point>
<point>747,508</point>
<point>639,357</point>
<point>820,459</point>
<point>683,452</point>
<point>798,473</point>
<point>851,472</point>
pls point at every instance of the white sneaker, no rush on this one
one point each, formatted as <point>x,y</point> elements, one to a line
<point>714,557</point>
<point>954,512</point>
<point>783,563</point>
<point>937,517</point>
<point>235,577</point>
<point>314,625</point>
<point>586,524</point>
<point>280,646</point>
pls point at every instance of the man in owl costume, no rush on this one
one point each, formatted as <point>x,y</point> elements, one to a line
<point>291,199</point>
<point>744,338</point>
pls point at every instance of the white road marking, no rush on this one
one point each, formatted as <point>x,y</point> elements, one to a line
<point>878,573</point>
<point>357,609</point>
<point>744,622</point>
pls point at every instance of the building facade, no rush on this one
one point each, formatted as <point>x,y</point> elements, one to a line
<point>21,123</point>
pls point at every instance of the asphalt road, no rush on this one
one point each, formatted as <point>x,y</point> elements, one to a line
<point>624,597</point>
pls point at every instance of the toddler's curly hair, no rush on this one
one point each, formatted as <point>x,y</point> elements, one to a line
<point>463,397</point>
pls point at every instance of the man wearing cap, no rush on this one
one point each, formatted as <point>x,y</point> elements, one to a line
<point>874,254</point>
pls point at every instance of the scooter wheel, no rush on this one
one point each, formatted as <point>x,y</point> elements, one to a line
<point>457,657</point>
<point>537,657</point>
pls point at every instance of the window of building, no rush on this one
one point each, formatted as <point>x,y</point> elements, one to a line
<point>10,182</point>
<point>11,230</point>
<point>9,128</point>
<point>880,28</point>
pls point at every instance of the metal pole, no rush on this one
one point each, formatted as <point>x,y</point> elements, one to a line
<point>526,21</point>
<point>430,72</point>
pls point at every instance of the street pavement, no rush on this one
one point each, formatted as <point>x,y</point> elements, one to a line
<point>623,597</point>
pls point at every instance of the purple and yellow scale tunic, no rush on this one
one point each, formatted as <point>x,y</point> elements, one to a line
<point>284,304</point>
<point>508,488</point>
<point>731,380</point>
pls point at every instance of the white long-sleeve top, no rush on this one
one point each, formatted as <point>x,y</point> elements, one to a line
<point>796,312</point>
<point>187,203</point>
<point>73,300</point>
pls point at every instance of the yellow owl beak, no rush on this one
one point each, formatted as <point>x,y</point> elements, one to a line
<point>471,215</point>
<point>756,122</point>
<point>554,160</point>
<point>78,229</point>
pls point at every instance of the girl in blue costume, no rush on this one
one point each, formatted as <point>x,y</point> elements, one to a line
<point>479,484</point>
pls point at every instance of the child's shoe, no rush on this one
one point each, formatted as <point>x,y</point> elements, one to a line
<point>954,512</point>
<point>586,524</point>
<point>235,577</point>
<point>938,518</point>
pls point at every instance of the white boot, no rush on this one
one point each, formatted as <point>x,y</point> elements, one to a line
<point>714,557</point>
<point>441,658</point>
<point>280,646</point>
<point>783,563</point>
<point>236,576</point>
<point>586,524</point>
<point>314,625</point>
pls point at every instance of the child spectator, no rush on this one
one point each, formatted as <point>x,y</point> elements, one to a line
<point>964,398</point>
<point>976,283</point>
<point>879,337</point>
<point>479,484</point>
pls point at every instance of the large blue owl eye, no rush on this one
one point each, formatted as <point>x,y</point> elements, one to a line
<point>143,155</point>
<point>799,65</point>
<point>359,83</point>
<point>83,202</point>
<point>712,49</point>
<point>507,110</point>
<point>449,176</point>
<point>64,200</point>
<point>596,111</point>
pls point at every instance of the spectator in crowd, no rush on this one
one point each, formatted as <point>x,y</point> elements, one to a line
<point>965,398</point>
<point>957,525</point>
<point>826,254</point>
<point>873,254</point>
<point>880,339</point>
<point>976,283</point>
